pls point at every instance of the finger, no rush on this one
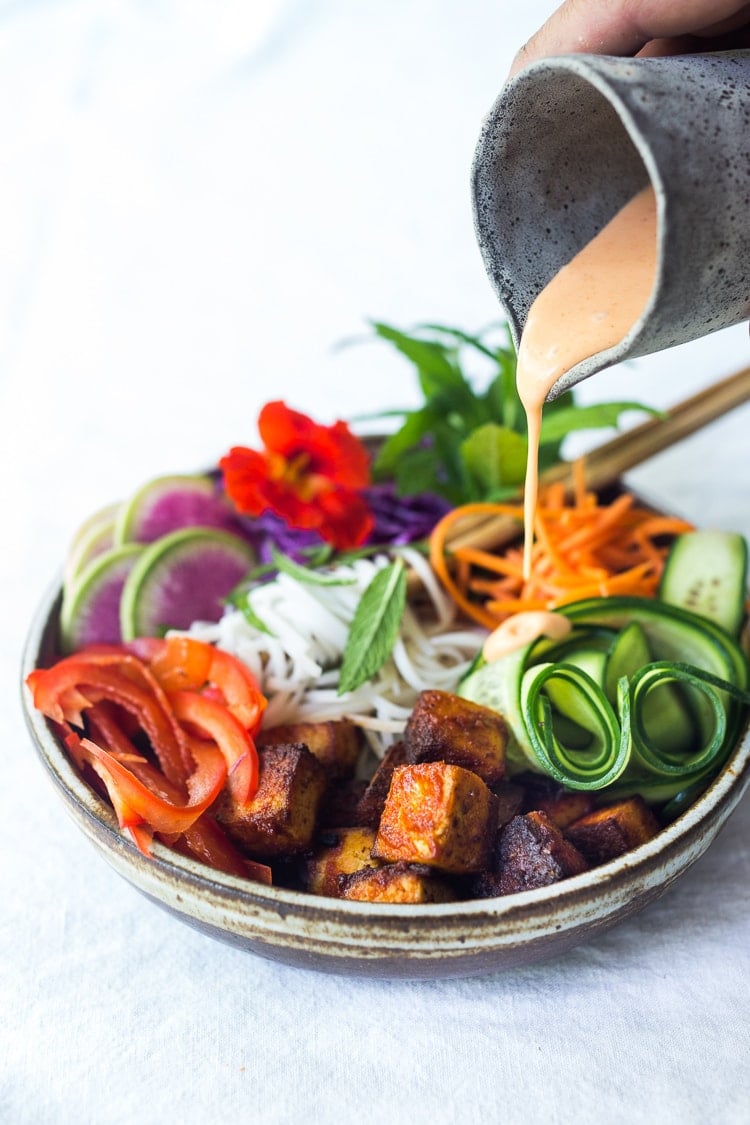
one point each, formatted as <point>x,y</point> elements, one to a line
<point>624,27</point>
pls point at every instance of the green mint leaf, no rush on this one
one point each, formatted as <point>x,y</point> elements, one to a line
<point>461,337</point>
<point>435,365</point>
<point>416,426</point>
<point>305,574</point>
<point>468,381</point>
<point>375,627</point>
<point>419,470</point>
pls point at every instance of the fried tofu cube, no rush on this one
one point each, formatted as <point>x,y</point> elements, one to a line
<point>561,805</point>
<point>438,814</point>
<point>395,883</point>
<point>339,853</point>
<point>531,852</point>
<point>372,802</point>
<point>608,832</point>
<point>510,798</point>
<point>444,727</point>
<point>340,807</point>
<point>336,744</point>
<point>566,807</point>
<point>282,817</point>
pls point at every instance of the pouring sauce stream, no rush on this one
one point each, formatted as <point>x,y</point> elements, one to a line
<point>588,306</point>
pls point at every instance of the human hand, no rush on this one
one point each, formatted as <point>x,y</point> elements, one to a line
<point>638,27</point>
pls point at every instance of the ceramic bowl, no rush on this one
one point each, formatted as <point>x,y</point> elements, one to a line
<point>367,939</point>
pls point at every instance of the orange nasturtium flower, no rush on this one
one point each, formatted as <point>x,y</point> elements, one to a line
<point>308,474</point>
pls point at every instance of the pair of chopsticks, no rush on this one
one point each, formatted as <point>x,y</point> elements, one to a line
<point>606,464</point>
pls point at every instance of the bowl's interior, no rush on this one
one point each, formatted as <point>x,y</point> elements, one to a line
<point>447,938</point>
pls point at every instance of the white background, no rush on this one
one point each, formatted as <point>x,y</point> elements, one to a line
<point>198,200</point>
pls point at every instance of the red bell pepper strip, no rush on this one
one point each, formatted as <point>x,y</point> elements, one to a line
<point>75,683</point>
<point>207,842</point>
<point>179,663</point>
<point>184,663</point>
<point>135,804</point>
<point>204,840</point>
<point>213,719</point>
<point>239,688</point>
<point>142,837</point>
<point>115,689</point>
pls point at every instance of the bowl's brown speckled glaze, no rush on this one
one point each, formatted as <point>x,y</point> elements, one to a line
<point>366,939</point>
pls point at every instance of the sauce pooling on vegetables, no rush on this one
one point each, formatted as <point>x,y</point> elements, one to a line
<point>520,629</point>
<point>589,306</point>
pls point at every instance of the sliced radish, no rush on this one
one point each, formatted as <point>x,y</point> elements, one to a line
<point>182,577</point>
<point>90,612</point>
<point>93,537</point>
<point>169,503</point>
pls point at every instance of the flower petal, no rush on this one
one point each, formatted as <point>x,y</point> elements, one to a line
<point>332,451</point>
<point>346,520</point>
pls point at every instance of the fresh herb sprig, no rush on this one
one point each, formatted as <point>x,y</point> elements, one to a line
<point>375,626</point>
<point>466,443</point>
<point>377,619</point>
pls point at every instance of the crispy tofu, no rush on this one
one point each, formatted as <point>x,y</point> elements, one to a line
<point>561,805</point>
<point>606,833</point>
<point>340,807</point>
<point>438,814</point>
<point>565,807</point>
<point>371,804</point>
<point>336,744</point>
<point>510,798</point>
<point>395,883</point>
<point>444,727</point>
<point>282,817</point>
<point>339,853</point>
<point>531,852</point>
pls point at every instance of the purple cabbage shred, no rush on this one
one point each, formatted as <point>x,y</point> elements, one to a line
<point>399,520</point>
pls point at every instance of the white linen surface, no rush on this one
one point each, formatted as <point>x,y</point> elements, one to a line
<point>198,200</point>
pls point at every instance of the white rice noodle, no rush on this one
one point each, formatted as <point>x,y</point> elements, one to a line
<point>297,662</point>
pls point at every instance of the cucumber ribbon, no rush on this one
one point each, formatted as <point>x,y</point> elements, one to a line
<point>656,730</point>
<point>621,746</point>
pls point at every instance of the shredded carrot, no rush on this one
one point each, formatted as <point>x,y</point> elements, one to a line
<point>583,548</point>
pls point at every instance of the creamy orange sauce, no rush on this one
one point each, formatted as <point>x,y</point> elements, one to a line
<point>589,306</point>
<point>523,628</point>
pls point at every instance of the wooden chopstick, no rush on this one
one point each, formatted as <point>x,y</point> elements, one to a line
<point>606,464</point>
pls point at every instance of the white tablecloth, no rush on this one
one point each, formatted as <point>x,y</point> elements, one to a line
<point>197,201</point>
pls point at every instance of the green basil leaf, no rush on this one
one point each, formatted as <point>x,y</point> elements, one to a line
<point>375,627</point>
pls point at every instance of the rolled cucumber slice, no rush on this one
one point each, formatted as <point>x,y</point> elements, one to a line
<point>666,716</point>
<point>706,573</point>
<point>182,577</point>
<point>672,633</point>
<point>677,636</point>
<point>563,695</point>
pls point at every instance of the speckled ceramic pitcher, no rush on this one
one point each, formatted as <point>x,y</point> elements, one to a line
<point>571,139</point>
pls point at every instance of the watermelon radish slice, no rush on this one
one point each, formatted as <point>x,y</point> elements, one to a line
<point>94,536</point>
<point>167,504</point>
<point>90,612</point>
<point>182,577</point>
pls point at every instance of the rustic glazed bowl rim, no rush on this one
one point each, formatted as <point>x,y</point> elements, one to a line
<point>727,787</point>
